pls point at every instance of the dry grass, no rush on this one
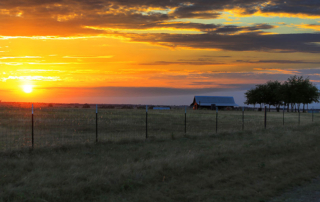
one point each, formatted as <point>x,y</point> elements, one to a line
<point>230,166</point>
<point>65,126</point>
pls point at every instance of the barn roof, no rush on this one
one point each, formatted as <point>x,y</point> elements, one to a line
<point>224,101</point>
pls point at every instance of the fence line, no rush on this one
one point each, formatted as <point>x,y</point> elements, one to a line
<point>146,121</point>
<point>32,133</point>
<point>96,123</point>
<point>59,126</point>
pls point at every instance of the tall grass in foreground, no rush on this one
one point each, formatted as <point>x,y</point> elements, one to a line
<point>66,126</point>
<point>230,166</point>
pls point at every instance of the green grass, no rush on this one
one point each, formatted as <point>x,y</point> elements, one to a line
<point>246,166</point>
<point>65,126</point>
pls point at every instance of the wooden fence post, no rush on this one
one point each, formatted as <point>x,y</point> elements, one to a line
<point>216,119</point>
<point>32,130</point>
<point>146,121</point>
<point>96,123</point>
<point>265,117</point>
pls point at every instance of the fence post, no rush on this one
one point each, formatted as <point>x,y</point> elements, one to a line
<point>146,121</point>
<point>96,123</point>
<point>283,116</point>
<point>265,117</point>
<point>299,116</point>
<point>185,121</point>
<point>32,135</point>
<point>216,119</point>
<point>242,118</point>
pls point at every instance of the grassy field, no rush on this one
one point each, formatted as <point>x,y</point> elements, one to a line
<point>64,126</point>
<point>248,166</point>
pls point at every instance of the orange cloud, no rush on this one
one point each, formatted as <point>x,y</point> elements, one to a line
<point>277,71</point>
<point>309,26</point>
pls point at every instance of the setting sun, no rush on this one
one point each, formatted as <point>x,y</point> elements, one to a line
<point>27,88</point>
<point>153,52</point>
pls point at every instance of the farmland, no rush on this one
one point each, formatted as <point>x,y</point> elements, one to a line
<point>57,126</point>
<point>241,166</point>
<point>254,164</point>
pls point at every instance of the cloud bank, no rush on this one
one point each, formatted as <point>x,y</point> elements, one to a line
<point>122,18</point>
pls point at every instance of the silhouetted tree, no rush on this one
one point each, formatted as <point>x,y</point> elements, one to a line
<point>256,96</point>
<point>274,97</point>
<point>293,92</point>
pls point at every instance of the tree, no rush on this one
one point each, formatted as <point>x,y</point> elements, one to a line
<point>273,94</point>
<point>300,91</point>
<point>265,94</point>
<point>256,95</point>
<point>262,94</point>
<point>293,92</point>
<point>309,94</point>
<point>251,98</point>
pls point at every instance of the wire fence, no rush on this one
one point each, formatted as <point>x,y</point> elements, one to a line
<point>47,127</point>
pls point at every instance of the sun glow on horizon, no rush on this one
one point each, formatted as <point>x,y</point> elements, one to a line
<point>97,51</point>
<point>27,88</point>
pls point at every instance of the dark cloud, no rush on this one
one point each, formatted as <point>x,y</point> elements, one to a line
<point>95,17</point>
<point>181,8</point>
<point>262,75</point>
<point>205,60</point>
<point>241,42</point>
<point>280,61</point>
<point>200,61</point>
<point>129,14</point>
<point>178,25</point>
<point>310,72</point>
<point>63,22</point>
<point>208,8</point>
<point>256,77</point>
<point>233,28</point>
<point>195,11</point>
<point>308,7</point>
<point>225,87</point>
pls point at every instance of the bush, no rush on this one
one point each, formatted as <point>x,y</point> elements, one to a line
<point>86,106</point>
<point>127,107</point>
<point>107,107</point>
<point>141,107</point>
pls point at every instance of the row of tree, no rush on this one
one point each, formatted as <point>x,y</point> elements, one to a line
<point>291,93</point>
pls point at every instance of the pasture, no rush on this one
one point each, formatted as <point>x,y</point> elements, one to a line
<point>59,126</point>
<point>242,166</point>
<point>254,164</point>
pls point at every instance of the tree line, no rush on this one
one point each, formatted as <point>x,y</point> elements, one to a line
<point>293,92</point>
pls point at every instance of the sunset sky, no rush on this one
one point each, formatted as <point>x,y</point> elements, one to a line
<point>153,51</point>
